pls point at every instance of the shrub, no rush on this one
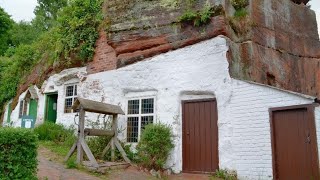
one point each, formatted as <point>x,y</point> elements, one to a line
<point>18,154</point>
<point>239,4</point>
<point>226,175</point>
<point>71,163</point>
<point>155,146</point>
<point>201,17</point>
<point>57,133</point>
<point>97,145</point>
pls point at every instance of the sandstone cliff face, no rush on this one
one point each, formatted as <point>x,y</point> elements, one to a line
<point>141,29</point>
<point>280,45</point>
<point>283,49</point>
<point>276,45</point>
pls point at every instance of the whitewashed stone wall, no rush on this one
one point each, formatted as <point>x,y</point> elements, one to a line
<point>195,72</point>
<point>317,115</point>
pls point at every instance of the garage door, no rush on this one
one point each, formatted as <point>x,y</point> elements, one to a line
<point>295,154</point>
<point>200,136</point>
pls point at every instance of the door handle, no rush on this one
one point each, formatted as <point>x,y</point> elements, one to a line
<point>308,139</point>
<point>188,133</point>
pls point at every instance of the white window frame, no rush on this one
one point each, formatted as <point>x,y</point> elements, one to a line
<point>25,108</point>
<point>68,97</point>
<point>140,114</point>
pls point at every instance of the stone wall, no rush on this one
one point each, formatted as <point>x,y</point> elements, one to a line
<point>283,48</point>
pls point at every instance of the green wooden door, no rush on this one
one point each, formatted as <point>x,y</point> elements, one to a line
<point>33,106</point>
<point>9,113</point>
<point>51,114</point>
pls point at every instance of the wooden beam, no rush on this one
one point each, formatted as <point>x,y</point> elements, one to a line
<point>72,150</point>
<point>98,132</point>
<point>112,150</point>
<point>89,154</point>
<point>122,152</point>
<point>105,150</point>
<point>97,107</point>
<point>115,129</point>
<point>80,135</point>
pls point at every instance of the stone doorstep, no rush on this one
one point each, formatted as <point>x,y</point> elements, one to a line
<point>103,167</point>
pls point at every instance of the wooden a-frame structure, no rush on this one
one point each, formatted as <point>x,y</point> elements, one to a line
<point>84,105</point>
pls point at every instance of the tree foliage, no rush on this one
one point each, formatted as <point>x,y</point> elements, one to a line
<point>5,25</point>
<point>69,34</point>
<point>47,12</point>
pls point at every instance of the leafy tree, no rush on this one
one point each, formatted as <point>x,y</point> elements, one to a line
<point>5,25</point>
<point>70,35</point>
<point>47,12</point>
<point>23,33</point>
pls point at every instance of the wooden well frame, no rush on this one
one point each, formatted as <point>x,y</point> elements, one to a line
<point>84,105</point>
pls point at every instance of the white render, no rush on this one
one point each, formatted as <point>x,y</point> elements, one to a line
<point>196,72</point>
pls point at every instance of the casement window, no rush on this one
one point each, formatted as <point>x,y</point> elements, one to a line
<point>71,96</point>
<point>140,113</point>
<point>23,108</point>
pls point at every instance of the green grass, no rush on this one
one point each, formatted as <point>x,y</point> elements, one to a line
<point>58,148</point>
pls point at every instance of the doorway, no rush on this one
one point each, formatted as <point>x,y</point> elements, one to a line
<point>294,143</point>
<point>51,107</point>
<point>200,136</point>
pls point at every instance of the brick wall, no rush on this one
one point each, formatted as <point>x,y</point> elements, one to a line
<point>104,58</point>
<point>249,118</point>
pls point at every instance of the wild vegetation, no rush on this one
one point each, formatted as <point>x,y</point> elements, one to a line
<point>202,17</point>
<point>240,22</point>
<point>225,175</point>
<point>63,31</point>
<point>18,154</point>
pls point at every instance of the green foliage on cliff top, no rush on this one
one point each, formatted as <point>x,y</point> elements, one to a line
<point>70,37</point>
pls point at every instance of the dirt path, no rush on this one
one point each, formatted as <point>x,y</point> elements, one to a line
<point>51,168</point>
<point>55,171</point>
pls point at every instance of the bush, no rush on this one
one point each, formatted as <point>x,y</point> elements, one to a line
<point>225,174</point>
<point>155,146</point>
<point>57,133</point>
<point>71,163</point>
<point>239,4</point>
<point>97,145</point>
<point>18,154</point>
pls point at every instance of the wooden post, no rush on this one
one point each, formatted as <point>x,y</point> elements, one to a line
<point>115,129</point>
<point>80,135</point>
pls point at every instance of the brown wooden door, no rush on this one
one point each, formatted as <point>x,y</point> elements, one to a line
<point>295,154</point>
<point>200,136</point>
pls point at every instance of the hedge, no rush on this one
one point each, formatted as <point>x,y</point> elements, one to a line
<point>18,154</point>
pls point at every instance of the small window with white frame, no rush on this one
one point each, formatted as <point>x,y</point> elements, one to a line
<point>71,96</point>
<point>140,112</point>
<point>23,108</point>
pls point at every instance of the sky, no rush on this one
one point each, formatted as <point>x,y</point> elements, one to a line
<point>23,9</point>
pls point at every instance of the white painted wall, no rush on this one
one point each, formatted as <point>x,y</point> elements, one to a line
<point>5,115</point>
<point>201,71</point>
<point>317,117</point>
<point>195,72</point>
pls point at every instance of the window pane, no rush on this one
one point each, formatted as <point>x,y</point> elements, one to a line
<point>145,120</point>
<point>133,107</point>
<point>75,90</point>
<point>25,108</point>
<point>147,106</point>
<point>132,129</point>
<point>69,91</point>
<point>68,105</point>
<point>21,109</point>
<point>74,100</point>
